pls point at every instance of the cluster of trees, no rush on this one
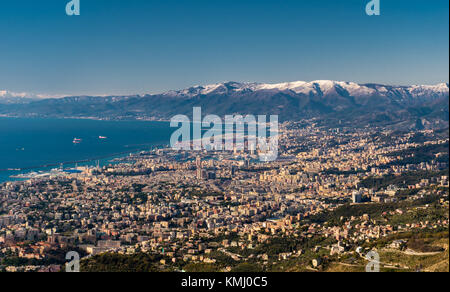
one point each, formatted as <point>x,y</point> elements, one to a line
<point>333,218</point>
<point>403,180</point>
<point>418,155</point>
<point>420,245</point>
<point>424,236</point>
<point>53,257</point>
<point>113,262</point>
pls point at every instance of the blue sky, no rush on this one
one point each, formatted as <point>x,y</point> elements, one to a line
<point>137,46</point>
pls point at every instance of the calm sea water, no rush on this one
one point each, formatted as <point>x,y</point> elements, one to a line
<point>31,143</point>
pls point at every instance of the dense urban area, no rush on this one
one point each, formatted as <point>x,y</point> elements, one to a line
<point>332,196</point>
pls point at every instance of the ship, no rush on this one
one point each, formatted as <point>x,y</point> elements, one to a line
<point>102,137</point>
<point>76,141</point>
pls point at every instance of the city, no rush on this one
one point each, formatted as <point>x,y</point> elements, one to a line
<point>224,144</point>
<point>333,195</point>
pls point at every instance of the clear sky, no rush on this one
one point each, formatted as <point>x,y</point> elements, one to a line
<point>138,46</point>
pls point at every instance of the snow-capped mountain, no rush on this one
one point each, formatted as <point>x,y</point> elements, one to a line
<point>313,88</point>
<point>318,88</point>
<point>8,97</point>
<point>362,103</point>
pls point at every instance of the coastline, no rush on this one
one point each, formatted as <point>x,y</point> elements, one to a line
<point>139,137</point>
<point>107,159</point>
<point>150,119</point>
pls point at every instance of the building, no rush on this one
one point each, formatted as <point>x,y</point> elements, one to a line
<point>356,197</point>
<point>198,164</point>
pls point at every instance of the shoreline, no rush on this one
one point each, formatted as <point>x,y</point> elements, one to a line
<point>89,118</point>
<point>119,155</point>
<point>8,171</point>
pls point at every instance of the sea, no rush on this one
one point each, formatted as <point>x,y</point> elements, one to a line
<point>32,144</point>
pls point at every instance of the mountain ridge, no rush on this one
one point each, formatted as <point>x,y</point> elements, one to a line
<point>364,103</point>
<point>254,86</point>
<point>303,87</point>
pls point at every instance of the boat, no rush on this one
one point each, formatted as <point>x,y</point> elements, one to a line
<point>102,137</point>
<point>76,141</point>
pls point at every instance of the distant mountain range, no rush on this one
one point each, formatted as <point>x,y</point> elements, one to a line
<point>422,106</point>
<point>8,97</point>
